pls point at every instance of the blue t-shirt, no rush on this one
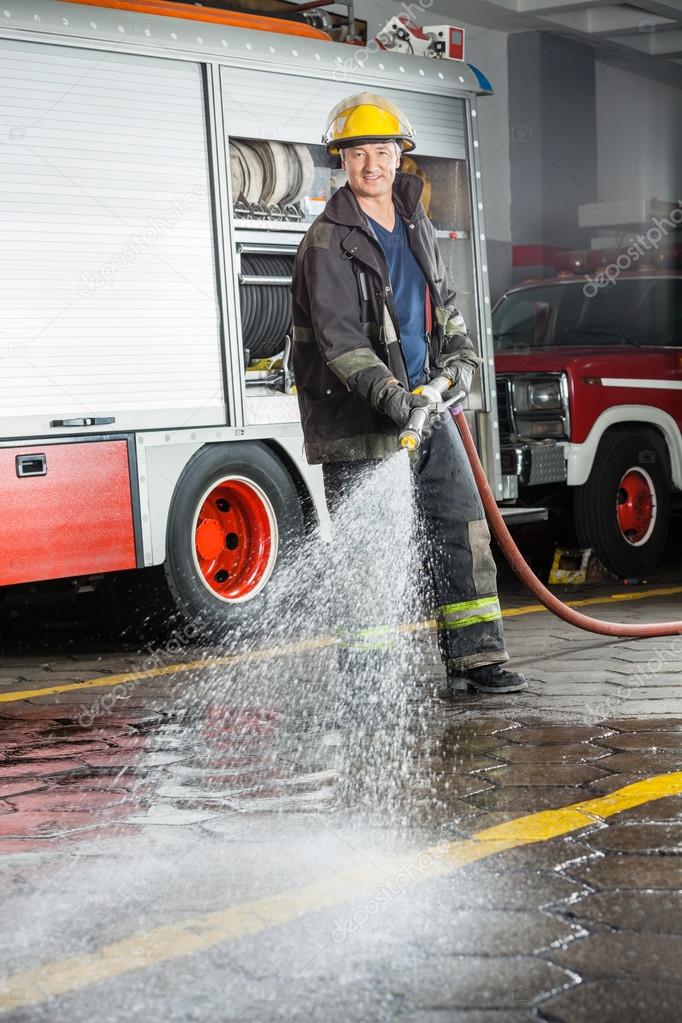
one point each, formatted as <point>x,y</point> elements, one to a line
<point>409,292</point>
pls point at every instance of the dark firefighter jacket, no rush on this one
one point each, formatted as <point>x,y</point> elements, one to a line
<point>346,330</point>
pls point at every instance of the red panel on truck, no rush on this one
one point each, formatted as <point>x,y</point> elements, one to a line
<point>70,513</point>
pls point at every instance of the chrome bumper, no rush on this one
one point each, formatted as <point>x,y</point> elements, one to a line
<point>534,463</point>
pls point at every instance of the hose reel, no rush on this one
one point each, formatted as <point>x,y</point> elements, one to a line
<point>265,299</point>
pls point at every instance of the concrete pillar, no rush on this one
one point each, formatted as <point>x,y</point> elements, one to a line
<point>553,143</point>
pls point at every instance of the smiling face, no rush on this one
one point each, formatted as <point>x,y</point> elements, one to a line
<point>371,168</point>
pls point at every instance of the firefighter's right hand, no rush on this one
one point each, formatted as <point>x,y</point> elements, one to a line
<point>399,404</point>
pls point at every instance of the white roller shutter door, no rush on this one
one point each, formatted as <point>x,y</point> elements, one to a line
<point>108,301</point>
<point>269,105</point>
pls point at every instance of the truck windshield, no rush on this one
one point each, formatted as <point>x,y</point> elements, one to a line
<point>636,311</point>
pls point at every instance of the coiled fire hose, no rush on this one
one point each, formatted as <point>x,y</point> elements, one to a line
<point>410,439</point>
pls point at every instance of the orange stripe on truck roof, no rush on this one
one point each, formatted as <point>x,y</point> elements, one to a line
<point>211,14</point>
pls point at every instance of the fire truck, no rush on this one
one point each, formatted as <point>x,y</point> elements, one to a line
<point>589,388</point>
<point>158,173</point>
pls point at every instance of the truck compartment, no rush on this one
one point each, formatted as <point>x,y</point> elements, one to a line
<point>67,510</point>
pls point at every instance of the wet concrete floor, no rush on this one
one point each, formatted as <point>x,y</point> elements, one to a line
<point>234,842</point>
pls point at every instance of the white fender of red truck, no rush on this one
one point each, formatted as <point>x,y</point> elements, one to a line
<point>580,457</point>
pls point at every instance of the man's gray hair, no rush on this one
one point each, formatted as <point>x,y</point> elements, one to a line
<point>342,150</point>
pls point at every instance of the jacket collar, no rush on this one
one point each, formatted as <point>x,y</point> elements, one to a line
<point>343,207</point>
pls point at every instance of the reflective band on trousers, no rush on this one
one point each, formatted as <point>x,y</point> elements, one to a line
<point>469,612</point>
<point>379,637</point>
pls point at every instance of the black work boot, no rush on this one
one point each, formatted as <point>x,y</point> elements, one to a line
<point>491,678</point>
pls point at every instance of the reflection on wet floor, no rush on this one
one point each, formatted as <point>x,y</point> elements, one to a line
<point>131,808</point>
<point>69,766</point>
<point>177,805</point>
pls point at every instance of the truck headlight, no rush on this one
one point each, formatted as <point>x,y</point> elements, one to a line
<point>539,395</point>
<point>541,406</point>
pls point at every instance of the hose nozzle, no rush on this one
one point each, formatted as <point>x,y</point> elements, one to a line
<point>411,437</point>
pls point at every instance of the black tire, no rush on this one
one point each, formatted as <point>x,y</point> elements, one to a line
<point>601,507</point>
<point>254,468</point>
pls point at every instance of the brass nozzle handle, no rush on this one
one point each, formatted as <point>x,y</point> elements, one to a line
<point>411,437</point>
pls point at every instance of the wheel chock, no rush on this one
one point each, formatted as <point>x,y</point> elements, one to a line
<point>575,566</point>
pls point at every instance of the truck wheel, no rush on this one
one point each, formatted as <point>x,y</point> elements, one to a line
<point>234,521</point>
<point>623,510</point>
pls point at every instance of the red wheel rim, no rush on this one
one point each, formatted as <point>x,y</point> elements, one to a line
<point>235,539</point>
<point>636,506</point>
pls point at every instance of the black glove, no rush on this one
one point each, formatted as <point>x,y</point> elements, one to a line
<point>397,403</point>
<point>460,370</point>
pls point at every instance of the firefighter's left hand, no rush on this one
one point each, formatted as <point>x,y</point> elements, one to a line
<point>460,370</point>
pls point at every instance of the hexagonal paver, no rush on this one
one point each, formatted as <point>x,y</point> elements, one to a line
<point>643,741</point>
<point>42,825</point>
<point>615,1001</point>
<point>520,800</point>
<point>551,753</point>
<point>69,799</point>
<point>485,724</point>
<point>634,911</point>
<point>665,724</point>
<point>459,741</point>
<point>36,769</point>
<point>493,886</point>
<point>610,782</point>
<point>494,933</point>
<point>667,809</point>
<point>470,982</point>
<point>658,839</point>
<point>624,954</point>
<point>463,785</point>
<point>629,872</point>
<point>642,763</point>
<point>556,733</point>
<point>543,774</point>
<point>14,788</point>
<point>57,751</point>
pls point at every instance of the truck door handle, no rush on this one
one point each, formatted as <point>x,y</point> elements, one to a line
<point>31,465</point>
<point>85,421</point>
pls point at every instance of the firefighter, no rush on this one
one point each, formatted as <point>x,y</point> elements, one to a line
<point>373,318</point>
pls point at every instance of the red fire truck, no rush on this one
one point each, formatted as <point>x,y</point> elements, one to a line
<point>161,164</point>
<point>589,389</point>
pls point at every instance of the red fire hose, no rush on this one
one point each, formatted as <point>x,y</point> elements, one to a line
<point>522,570</point>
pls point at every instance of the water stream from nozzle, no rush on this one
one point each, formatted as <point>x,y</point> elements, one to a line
<point>286,719</point>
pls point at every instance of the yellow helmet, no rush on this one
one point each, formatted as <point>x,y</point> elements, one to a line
<point>366,118</point>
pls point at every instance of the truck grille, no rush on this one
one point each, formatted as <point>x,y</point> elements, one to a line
<point>504,406</point>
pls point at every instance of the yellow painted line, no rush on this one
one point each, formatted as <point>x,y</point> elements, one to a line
<point>174,941</point>
<point>587,601</point>
<point>172,669</point>
<point>294,648</point>
<point>527,609</point>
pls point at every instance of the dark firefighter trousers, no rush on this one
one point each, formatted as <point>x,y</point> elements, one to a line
<point>457,540</point>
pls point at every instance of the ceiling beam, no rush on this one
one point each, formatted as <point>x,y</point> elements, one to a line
<point>656,44</point>
<point>612,20</point>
